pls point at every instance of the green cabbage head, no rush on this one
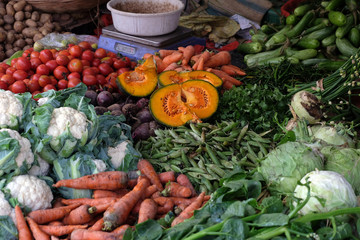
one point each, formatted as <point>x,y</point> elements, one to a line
<point>287,164</point>
<point>345,161</point>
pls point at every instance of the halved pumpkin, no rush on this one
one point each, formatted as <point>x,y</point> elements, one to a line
<point>170,77</point>
<point>141,82</point>
<point>167,107</point>
<point>176,104</point>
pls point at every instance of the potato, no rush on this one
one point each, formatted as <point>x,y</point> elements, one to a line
<point>7,27</point>
<point>19,26</point>
<point>19,6</point>
<point>2,11</point>
<point>9,19</point>
<point>2,22</point>
<point>57,27</point>
<point>10,10</point>
<point>27,15</point>
<point>45,17</point>
<point>2,56</point>
<point>10,37</point>
<point>16,49</point>
<point>30,32</point>
<point>8,46</point>
<point>29,41</point>
<point>49,26</point>
<point>2,36</point>
<point>30,23</point>
<point>20,43</point>
<point>28,8</point>
<point>65,17</point>
<point>27,47</point>
<point>45,31</point>
<point>37,37</point>
<point>35,16</point>
<point>19,16</point>
<point>2,5</point>
<point>12,2</point>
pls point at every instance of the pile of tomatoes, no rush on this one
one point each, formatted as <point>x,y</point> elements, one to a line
<point>37,72</point>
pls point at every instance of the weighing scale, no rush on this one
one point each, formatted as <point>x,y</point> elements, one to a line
<point>135,47</point>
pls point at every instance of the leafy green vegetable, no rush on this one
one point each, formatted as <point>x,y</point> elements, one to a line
<point>9,150</point>
<point>8,229</point>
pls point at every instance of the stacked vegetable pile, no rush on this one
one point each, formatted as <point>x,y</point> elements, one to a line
<point>323,34</point>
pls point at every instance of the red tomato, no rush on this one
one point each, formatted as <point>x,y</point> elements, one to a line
<point>2,70</point>
<point>127,60</point>
<point>87,55</point>
<point>10,70</point>
<point>23,63</point>
<point>105,69</point>
<point>3,85</point>
<point>96,70</point>
<point>53,80</point>
<point>9,79</point>
<point>34,94</point>
<point>75,65</point>
<point>100,53</point>
<point>49,87</point>
<point>13,62</point>
<point>34,54</point>
<point>89,80</point>
<point>75,51</point>
<point>62,60</point>
<point>1,74</point>
<point>111,54</point>
<point>85,63</point>
<point>122,70</point>
<point>96,62</point>
<point>73,82</point>
<point>33,85</point>
<point>35,62</point>
<point>20,75</point>
<point>52,64</point>
<point>26,53</point>
<point>64,52</point>
<point>133,65</point>
<point>119,63</point>
<point>101,79</point>
<point>62,84</point>
<point>46,55</point>
<point>107,60</point>
<point>44,80</point>
<point>54,52</point>
<point>26,81</point>
<point>61,72</point>
<point>35,76</point>
<point>108,87</point>
<point>73,75</point>
<point>84,45</point>
<point>4,65</point>
<point>18,87</point>
<point>42,69</point>
<point>111,79</point>
<point>88,71</point>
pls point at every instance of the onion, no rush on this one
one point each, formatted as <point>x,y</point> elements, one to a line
<point>306,105</point>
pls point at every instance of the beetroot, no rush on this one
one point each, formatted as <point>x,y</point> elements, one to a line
<point>142,132</point>
<point>130,109</point>
<point>142,103</point>
<point>144,115</point>
<point>100,110</point>
<point>92,95</point>
<point>153,125</point>
<point>105,99</point>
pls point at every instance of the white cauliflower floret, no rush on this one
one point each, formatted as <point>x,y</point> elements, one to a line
<point>100,165</point>
<point>5,208</point>
<point>40,170</point>
<point>42,101</point>
<point>25,153</point>
<point>10,107</point>
<point>31,192</point>
<point>117,153</point>
<point>67,117</point>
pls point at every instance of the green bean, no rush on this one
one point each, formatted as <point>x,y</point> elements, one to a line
<point>193,163</point>
<point>213,132</point>
<point>203,124</point>
<point>203,136</point>
<point>184,159</point>
<point>173,134</point>
<point>176,161</point>
<point>212,155</point>
<point>168,140</point>
<point>213,174</point>
<point>250,150</point>
<point>158,144</point>
<point>175,154</point>
<point>202,188</point>
<point>228,153</point>
<point>230,126</point>
<point>215,185</point>
<point>216,169</point>
<point>256,137</point>
<point>221,155</point>
<point>196,137</point>
<point>208,185</point>
<point>181,141</point>
<point>227,164</point>
<point>159,133</point>
<point>194,169</point>
<point>201,163</point>
<point>159,154</point>
<point>242,133</point>
<point>223,139</point>
<point>260,154</point>
<point>235,133</point>
<point>195,129</point>
<point>175,168</point>
<point>145,155</point>
<point>252,157</point>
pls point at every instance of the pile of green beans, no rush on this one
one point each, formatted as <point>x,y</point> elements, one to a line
<point>205,152</point>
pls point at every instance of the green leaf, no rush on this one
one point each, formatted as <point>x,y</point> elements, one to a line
<point>272,204</point>
<point>235,229</point>
<point>271,220</point>
<point>148,230</point>
<point>9,150</point>
<point>8,229</point>
<point>237,209</point>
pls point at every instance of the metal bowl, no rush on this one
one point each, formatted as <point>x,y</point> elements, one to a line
<point>146,24</point>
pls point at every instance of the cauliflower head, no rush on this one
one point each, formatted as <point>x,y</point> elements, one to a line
<point>5,208</point>
<point>10,109</point>
<point>123,156</point>
<point>31,192</point>
<point>25,154</point>
<point>64,117</point>
<point>41,169</point>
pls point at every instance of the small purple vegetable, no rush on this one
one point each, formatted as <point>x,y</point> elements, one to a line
<point>153,125</point>
<point>144,115</point>
<point>100,110</point>
<point>142,102</point>
<point>142,132</point>
<point>129,109</point>
<point>92,95</point>
<point>105,99</point>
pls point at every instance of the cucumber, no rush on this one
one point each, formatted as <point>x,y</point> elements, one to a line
<point>316,27</point>
<point>328,40</point>
<point>293,60</point>
<point>259,37</point>
<point>354,37</point>
<point>313,61</point>
<point>291,19</point>
<point>337,18</point>
<point>308,43</point>
<point>324,4</point>
<point>271,43</point>
<point>345,47</point>
<point>250,47</point>
<point>274,60</point>
<point>322,33</point>
<point>334,4</point>
<point>301,54</point>
<point>330,65</point>
<point>266,29</point>
<point>342,31</point>
<point>302,10</point>
<point>319,20</point>
<point>252,31</point>
<point>252,60</point>
<point>343,57</point>
<point>300,26</point>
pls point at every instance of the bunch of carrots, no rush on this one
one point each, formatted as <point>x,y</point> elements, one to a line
<point>188,59</point>
<point>118,203</point>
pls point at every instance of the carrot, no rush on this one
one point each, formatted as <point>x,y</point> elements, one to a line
<point>183,180</point>
<point>97,226</point>
<point>60,230</point>
<point>166,177</point>
<point>101,207</point>
<point>88,201</point>
<point>204,57</point>
<point>85,234</point>
<point>166,205</point>
<point>132,183</point>
<point>148,170</point>
<point>22,227</point>
<point>56,223</point>
<point>188,212</point>
<point>147,55</point>
<point>165,52</point>
<point>225,77</point>
<point>108,193</point>
<point>160,65</point>
<point>195,58</point>
<point>150,191</point>
<point>171,66</point>
<point>156,194</point>
<point>118,212</point>
<point>148,210</point>
<point>207,197</point>
<point>54,238</point>
<point>174,189</point>
<point>218,59</point>
<point>136,208</point>
<point>187,52</point>
<point>37,233</point>
<point>57,203</point>
<point>232,70</point>
<point>104,180</point>
<point>180,200</point>
<point>121,229</point>
<point>227,85</point>
<point>174,57</point>
<point>187,68</point>
<point>48,215</point>
<point>79,215</point>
